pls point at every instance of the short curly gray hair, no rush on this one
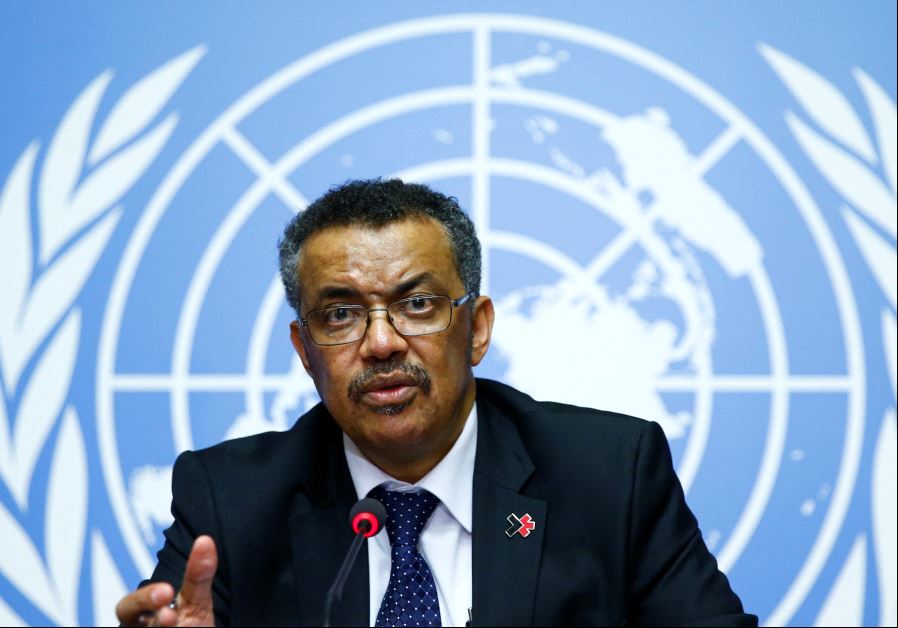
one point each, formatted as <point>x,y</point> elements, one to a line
<point>374,203</point>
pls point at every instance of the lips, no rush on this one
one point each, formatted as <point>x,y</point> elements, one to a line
<point>388,386</point>
<point>389,389</point>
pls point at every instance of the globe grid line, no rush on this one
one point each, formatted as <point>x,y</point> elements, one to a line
<point>480,145</point>
<point>717,149</point>
<point>263,325</point>
<point>777,350</point>
<point>247,152</point>
<point>846,306</point>
<point>611,253</point>
<point>191,307</point>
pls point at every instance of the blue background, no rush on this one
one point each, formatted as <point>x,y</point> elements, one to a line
<point>50,51</point>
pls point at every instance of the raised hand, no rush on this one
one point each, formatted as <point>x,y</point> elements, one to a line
<point>152,605</point>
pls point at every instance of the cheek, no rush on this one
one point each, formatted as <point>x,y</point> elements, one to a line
<point>449,357</point>
<point>328,373</point>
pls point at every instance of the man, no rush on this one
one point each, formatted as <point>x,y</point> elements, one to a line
<point>501,509</point>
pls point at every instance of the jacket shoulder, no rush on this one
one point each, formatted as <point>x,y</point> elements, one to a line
<point>564,419</point>
<point>269,451</point>
<point>598,447</point>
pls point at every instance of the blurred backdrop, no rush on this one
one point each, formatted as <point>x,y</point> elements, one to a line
<point>687,210</point>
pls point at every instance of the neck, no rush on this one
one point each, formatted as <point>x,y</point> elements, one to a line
<point>411,473</point>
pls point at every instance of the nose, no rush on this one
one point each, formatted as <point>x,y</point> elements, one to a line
<point>381,340</point>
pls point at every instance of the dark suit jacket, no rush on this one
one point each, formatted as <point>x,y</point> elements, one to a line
<point>614,541</point>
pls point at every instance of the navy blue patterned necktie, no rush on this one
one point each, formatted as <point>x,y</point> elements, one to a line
<point>411,597</point>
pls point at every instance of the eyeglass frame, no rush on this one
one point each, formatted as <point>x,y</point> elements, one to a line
<point>453,303</point>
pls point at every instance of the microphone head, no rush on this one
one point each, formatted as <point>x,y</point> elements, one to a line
<point>367,516</point>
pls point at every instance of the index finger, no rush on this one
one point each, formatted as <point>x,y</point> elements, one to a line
<point>196,589</point>
<point>147,599</point>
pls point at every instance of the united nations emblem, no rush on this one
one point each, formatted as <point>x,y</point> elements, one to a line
<point>648,248</point>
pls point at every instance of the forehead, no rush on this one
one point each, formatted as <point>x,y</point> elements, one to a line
<point>375,260</point>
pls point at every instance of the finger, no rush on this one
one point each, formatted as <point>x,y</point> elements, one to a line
<point>196,589</point>
<point>166,617</point>
<point>146,600</point>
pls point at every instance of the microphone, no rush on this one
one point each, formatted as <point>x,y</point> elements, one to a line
<point>366,518</point>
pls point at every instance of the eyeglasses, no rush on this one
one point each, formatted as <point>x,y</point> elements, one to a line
<point>415,316</point>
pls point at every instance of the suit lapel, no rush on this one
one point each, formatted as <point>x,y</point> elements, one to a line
<point>320,532</point>
<point>505,568</point>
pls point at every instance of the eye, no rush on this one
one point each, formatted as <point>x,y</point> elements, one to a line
<point>418,306</point>
<point>338,316</point>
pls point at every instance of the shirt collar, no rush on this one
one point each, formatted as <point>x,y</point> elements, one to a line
<point>451,480</point>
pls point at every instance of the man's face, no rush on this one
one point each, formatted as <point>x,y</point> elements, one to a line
<point>402,400</point>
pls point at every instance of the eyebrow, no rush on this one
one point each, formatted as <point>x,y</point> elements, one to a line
<point>414,282</point>
<point>345,292</point>
<point>336,292</point>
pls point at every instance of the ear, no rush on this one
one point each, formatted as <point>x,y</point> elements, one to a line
<point>299,346</point>
<point>481,328</point>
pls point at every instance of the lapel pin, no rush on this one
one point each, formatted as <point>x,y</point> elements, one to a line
<point>520,525</point>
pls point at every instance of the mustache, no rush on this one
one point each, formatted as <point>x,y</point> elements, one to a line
<point>363,378</point>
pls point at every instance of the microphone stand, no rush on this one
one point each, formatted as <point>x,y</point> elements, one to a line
<point>336,591</point>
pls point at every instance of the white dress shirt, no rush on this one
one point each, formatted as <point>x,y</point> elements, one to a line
<point>445,541</point>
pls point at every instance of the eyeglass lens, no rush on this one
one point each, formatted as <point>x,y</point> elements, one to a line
<point>415,316</point>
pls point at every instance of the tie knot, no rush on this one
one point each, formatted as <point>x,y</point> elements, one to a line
<point>407,512</point>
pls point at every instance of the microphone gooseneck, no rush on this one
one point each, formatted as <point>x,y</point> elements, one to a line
<point>366,519</point>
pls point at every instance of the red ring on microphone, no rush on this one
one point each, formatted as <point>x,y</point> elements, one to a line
<point>373,524</point>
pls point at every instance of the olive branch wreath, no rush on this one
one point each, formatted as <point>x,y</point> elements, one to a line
<point>863,171</point>
<point>48,254</point>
